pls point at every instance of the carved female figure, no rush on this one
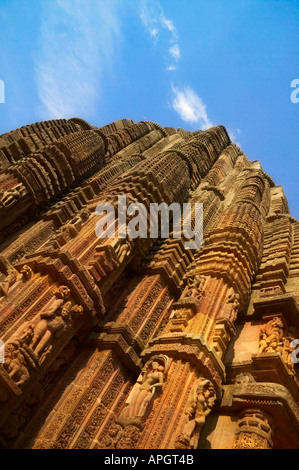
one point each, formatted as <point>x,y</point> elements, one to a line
<point>148,384</point>
<point>231,306</point>
<point>234,300</point>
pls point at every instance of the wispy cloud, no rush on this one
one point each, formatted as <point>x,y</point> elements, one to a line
<point>168,24</point>
<point>175,52</point>
<point>234,135</point>
<point>186,102</point>
<point>77,42</point>
<point>156,23</point>
<point>190,107</point>
<point>154,32</point>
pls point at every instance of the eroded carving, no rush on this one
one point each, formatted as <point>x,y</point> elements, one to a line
<point>18,362</point>
<point>200,403</point>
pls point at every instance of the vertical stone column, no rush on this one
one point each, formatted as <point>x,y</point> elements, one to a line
<point>254,431</point>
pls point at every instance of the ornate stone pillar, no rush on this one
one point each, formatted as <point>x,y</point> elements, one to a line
<point>254,431</point>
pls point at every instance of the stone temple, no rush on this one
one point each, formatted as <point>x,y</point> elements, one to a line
<point>121,343</point>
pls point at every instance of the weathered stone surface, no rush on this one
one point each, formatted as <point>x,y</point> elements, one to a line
<point>142,343</point>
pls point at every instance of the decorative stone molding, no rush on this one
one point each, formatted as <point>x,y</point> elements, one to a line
<point>191,348</point>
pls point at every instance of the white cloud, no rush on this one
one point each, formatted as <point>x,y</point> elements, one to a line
<point>234,135</point>
<point>171,67</point>
<point>76,45</point>
<point>175,52</point>
<point>155,22</point>
<point>168,24</point>
<point>153,18</point>
<point>190,107</point>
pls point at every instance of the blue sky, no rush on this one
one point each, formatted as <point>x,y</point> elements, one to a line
<point>181,63</point>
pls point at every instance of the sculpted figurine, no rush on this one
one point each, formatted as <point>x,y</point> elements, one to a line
<point>53,322</point>
<point>199,405</point>
<point>271,336</point>
<point>27,334</point>
<point>16,366</point>
<point>9,280</point>
<point>287,351</point>
<point>234,304</point>
<point>75,225</point>
<point>149,383</point>
<point>193,288</point>
<point>46,352</point>
<point>27,272</point>
<point>122,248</point>
<point>12,195</point>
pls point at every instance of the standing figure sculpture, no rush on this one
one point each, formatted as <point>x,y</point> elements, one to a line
<point>231,306</point>
<point>122,248</point>
<point>148,384</point>
<point>233,301</point>
<point>200,403</point>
